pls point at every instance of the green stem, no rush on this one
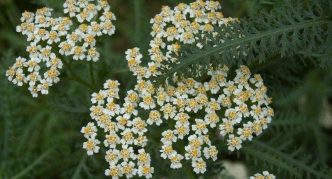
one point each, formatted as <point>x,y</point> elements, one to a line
<point>91,73</point>
<point>121,71</point>
<point>185,167</point>
<point>30,167</point>
<point>6,135</point>
<point>188,171</point>
<point>77,78</point>
<point>79,168</point>
<point>240,41</point>
<point>137,11</point>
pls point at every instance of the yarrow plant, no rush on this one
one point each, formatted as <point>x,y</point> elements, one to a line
<point>195,104</point>
<point>173,28</point>
<point>236,107</point>
<point>124,132</point>
<point>52,38</point>
<point>265,175</point>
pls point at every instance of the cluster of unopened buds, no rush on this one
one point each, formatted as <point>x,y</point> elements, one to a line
<point>265,175</point>
<point>237,108</point>
<point>51,39</point>
<point>172,28</point>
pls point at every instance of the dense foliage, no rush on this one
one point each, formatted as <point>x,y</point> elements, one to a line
<point>287,42</point>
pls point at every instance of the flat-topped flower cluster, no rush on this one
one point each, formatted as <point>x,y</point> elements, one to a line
<point>50,39</point>
<point>124,131</point>
<point>237,108</point>
<point>171,29</point>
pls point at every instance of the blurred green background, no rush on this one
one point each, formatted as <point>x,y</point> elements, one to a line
<point>40,138</point>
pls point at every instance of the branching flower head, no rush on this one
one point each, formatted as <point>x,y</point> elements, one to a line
<point>237,108</point>
<point>52,38</point>
<point>173,28</point>
<point>124,131</point>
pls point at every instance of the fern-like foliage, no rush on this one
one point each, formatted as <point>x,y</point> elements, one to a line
<point>291,164</point>
<point>285,43</point>
<point>298,127</point>
<point>284,31</point>
<point>283,150</point>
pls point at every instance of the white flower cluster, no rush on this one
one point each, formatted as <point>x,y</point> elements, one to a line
<point>124,133</point>
<point>184,24</point>
<point>265,175</point>
<point>90,133</point>
<point>50,38</point>
<point>237,108</point>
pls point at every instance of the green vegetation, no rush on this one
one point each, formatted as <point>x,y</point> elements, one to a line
<point>288,42</point>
